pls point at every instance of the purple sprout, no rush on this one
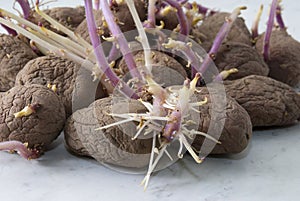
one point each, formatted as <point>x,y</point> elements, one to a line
<point>9,30</point>
<point>21,148</point>
<point>25,8</point>
<point>222,34</point>
<point>97,4</point>
<point>113,53</point>
<point>279,17</point>
<point>201,9</point>
<point>150,23</point>
<point>99,53</point>
<point>183,22</point>
<point>270,25</point>
<point>120,39</point>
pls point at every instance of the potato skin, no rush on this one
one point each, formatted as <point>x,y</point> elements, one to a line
<point>40,128</point>
<point>212,24</point>
<point>267,101</point>
<point>243,57</point>
<point>110,145</point>
<point>67,16</point>
<point>165,69</point>
<point>14,54</point>
<point>237,130</point>
<point>71,80</point>
<point>284,62</point>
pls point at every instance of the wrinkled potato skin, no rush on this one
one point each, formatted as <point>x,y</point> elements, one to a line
<point>14,54</point>
<point>71,79</point>
<point>246,59</point>
<point>267,101</point>
<point>284,62</point>
<point>67,16</point>
<point>237,130</point>
<point>110,145</point>
<point>38,129</point>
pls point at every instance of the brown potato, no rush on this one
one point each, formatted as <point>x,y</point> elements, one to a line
<point>41,127</point>
<point>67,16</point>
<point>242,57</point>
<point>72,81</point>
<point>166,70</point>
<point>267,101</point>
<point>284,61</point>
<point>170,20</point>
<point>237,130</point>
<point>14,54</point>
<point>115,147</point>
<point>111,145</point>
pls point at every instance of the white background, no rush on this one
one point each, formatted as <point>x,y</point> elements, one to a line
<point>268,170</point>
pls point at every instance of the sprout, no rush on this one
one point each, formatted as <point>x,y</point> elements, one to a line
<point>201,9</point>
<point>120,39</point>
<point>99,53</point>
<point>270,24</point>
<point>220,37</point>
<point>183,22</point>
<point>255,24</point>
<point>25,8</point>
<point>27,111</point>
<point>151,22</point>
<point>21,148</point>
<point>279,17</point>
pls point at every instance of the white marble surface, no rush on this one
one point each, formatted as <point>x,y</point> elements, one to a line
<point>268,170</point>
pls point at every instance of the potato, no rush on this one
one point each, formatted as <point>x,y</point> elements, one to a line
<point>267,101</point>
<point>166,70</point>
<point>237,130</point>
<point>14,54</point>
<point>40,127</point>
<point>284,61</point>
<point>67,16</point>
<point>115,147</point>
<point>73,82</point>
<point>170,20</point>
<point>242,57</point>
<point>111,145</point>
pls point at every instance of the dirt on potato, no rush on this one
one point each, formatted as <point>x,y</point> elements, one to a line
<point>242,57</point>
<point>14,54</point>
<point>284,60</point>
<point>237,130</point>
<point>41,127</point>
<point>267,101</point>
<point>73,83</point>
<point>112,145</point>
<point>67,16</point>
<point>165,69</point>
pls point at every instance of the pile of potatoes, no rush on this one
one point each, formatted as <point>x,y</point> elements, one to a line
<point>260,94</point>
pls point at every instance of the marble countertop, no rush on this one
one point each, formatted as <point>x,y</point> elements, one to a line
<point>267,170</point>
